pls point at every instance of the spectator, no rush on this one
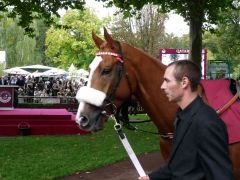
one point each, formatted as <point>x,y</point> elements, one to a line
<point>20,81</point>
<point>3,80</point>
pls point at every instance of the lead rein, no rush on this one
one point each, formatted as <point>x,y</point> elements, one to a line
<point>128,148</point>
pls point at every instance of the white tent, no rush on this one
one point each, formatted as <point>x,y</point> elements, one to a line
<point>72,71</point>
<point>37,67</point>
<point>16,70</point>
<point>36,74</point>
<point>55,72</point>
<point>71,68</point>
<point>82,73</point>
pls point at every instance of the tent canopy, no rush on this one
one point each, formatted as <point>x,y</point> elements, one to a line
<point>55,72</point>
<point>36,74</point>
<point>16,70</point>
<point>37,67</point>
<point>82,73</point>
<point>71,68</point>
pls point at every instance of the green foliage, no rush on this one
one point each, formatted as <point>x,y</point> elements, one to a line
<point>236,72</point>
<point>224,44</point>
<point>146,31</point>
<point>211,42</point>
<point>185,8</point>
<point>172,41</point>
<point>229,35</point>
<point>27,11</point>
<point>51,157</point>
<point>40,36</point>
<point>2,67</point>
<point>199,14</point>
<point>20,48</point>
<point>73,42</point>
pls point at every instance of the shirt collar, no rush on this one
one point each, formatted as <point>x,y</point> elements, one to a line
<point>190,110</point>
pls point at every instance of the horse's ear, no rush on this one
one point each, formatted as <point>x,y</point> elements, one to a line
<point>97,40</point>
<point>107,37</point>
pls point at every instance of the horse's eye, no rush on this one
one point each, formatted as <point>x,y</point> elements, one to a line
<point>106,71</point>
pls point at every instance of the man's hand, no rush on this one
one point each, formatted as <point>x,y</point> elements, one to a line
<point>144,178</point>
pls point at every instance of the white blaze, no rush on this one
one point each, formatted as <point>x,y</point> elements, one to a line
<point>87,94</point>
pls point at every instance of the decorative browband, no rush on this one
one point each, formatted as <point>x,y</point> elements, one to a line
<point>118,57</point>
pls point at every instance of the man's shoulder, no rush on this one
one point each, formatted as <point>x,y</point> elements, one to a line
<point>207,116</point>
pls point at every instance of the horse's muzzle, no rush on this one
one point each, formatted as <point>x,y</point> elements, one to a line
<point>83,121</point>
<point>94,124</point>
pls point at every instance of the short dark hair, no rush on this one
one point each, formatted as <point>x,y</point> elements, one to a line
<point>189,69</point>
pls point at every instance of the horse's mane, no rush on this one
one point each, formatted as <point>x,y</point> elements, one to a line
<point>145,55</point>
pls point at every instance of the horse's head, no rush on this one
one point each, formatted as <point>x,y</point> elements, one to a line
<point>108,85</point>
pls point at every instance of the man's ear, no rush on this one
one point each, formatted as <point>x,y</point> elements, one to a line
<point>185,82</point>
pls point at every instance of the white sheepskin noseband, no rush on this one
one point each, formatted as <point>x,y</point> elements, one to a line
<point>91,96</point>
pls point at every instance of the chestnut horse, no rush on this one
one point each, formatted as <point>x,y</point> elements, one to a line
<point>120,70</point>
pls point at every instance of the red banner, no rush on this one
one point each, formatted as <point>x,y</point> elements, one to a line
<point>174,51</point>
<point>6,97</point>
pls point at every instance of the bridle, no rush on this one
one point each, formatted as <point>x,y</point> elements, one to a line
<point>109,100</point>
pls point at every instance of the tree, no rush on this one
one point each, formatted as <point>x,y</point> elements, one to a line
<point>172,41</point>
<point>27,11</point>
<point>211,42</point>
<point>199,13</point>
<point>228,32</point>
<point>40,37</point>
<point>145,31</point>
<point>2,67</point>
<point>225,43</point>
<point>20,49</point>
<point>73,44</point>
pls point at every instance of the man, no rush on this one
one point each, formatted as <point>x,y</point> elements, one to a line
<point>3,80</point>
<point>200,145</point>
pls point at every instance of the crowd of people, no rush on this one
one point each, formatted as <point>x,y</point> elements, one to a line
<point>43,86</point>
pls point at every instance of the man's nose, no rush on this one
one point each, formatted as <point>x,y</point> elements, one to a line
<point>162,86</point>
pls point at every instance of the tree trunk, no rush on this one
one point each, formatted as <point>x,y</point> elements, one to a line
<point>196,40</point>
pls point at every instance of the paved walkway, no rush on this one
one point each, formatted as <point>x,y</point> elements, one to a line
<point>123,170</point>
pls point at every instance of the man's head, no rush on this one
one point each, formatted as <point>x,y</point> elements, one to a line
<point>179,77</point>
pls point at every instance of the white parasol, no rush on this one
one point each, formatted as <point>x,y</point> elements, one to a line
<point>16,70</point>
<point>55,72</point>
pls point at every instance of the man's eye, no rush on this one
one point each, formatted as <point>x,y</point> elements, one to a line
<point>106,71</point>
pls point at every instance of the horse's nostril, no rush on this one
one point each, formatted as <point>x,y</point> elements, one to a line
<point>84,121</point>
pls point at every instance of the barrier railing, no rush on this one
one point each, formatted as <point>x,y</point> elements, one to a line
<point>67,102</point>
<point>47,99</point>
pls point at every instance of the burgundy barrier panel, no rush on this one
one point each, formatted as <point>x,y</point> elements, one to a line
<point>7,97</point>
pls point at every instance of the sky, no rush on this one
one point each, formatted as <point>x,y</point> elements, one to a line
<point>175,24</point>
<point>2,56</point>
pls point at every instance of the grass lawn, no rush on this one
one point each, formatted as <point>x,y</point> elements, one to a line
<point>50,157</point>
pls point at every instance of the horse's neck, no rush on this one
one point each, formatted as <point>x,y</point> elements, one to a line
<point>144,64</point>
<point>149,74</point>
